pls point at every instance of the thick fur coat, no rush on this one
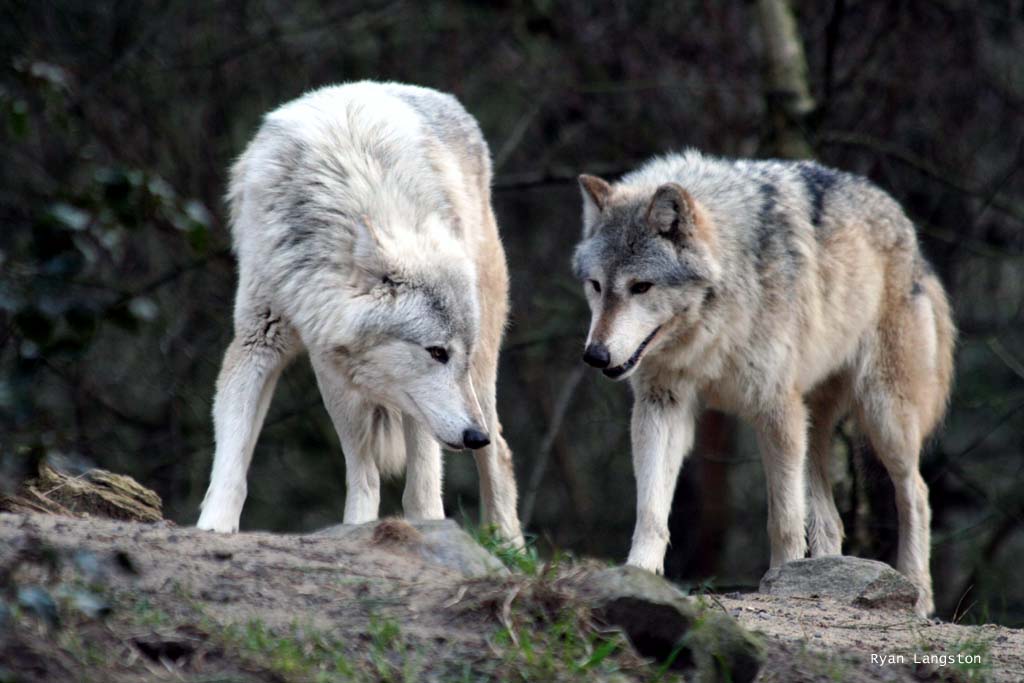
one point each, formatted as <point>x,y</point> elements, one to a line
<point>362,223</point>
<point>787,293</point>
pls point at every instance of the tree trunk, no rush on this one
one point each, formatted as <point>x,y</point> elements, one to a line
<point>786,89</point>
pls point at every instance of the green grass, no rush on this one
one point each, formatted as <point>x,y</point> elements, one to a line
<point>392,660</point>
<point>970,649</point>
<point>969,658</point>
<point>547,634</point>
<point>523,560</point>
<point>146,614</point>
<point>561,651</point>
<point>296,652</point>
<point>86,653</point>
<point>302,653</point>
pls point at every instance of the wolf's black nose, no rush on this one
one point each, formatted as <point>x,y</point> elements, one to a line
<point>474,438</point>
<point>597,355</point>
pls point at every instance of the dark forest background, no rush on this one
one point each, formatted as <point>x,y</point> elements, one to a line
<point>120,118</point>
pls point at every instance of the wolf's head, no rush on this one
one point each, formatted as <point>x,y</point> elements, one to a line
<point>647,263</point>
<point>415,321</point>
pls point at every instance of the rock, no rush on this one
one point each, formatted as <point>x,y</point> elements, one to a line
<point>96,493</point>
<point>851,580</point>
<point>39,602</point>
<point>440,542</point>
<point>661,622</point>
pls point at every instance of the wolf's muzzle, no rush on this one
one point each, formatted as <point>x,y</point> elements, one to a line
<point>619,371</point>
<point>597,355</point>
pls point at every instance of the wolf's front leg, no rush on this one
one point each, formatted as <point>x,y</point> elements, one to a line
<point>782,437</point>
<point>422,497</point>
<point>252,364</point>
<point>353,421</point>
<point>662,435</point>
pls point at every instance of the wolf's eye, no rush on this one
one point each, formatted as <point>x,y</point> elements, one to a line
<point>596,285</point>
<point>438,353</point>
<point>639,287</point>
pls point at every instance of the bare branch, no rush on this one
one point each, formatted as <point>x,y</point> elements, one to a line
<point>924,166</point>
<point>544,453</point>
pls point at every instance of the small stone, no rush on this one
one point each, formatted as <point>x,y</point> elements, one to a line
<point>441,542</point>
<point>37,601</point>
<point>90,604</point>
<point>663,623</point>
<point>851,580</point>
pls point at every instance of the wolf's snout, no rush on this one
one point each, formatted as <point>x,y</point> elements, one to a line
<point>597,355</point>
<point>474,438</point>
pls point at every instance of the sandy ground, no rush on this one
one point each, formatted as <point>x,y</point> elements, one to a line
<point>189,605</point>
<point>883,642</point>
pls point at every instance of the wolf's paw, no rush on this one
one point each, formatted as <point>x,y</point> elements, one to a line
<point>925,605</point>
<point>222,524</point>
<point>651,564</point>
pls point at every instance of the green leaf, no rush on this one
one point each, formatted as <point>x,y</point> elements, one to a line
<point>600,654</point>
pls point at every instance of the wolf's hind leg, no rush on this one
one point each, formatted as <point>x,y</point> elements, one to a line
<point>662,434</point>
<point>892,423</point>
<point>782,436</point>
<point>252,364</point>
<point>896,399</point>
<point>422,496</point>
<point>827,404</point>
<point>893,430</point>
<point>498,493</point>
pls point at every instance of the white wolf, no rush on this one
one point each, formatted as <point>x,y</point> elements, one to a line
<point>362,224</point>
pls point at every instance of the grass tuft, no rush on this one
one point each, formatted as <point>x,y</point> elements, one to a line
<point>523,560</point>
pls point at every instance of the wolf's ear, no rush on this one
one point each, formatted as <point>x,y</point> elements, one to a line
<point>595,193</point>
<point>672,212</point>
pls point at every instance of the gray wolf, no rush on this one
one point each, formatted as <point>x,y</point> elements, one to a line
<point>363,228</point>
<point>787,293</point>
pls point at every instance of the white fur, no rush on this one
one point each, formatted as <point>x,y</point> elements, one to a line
<point>361,220</point>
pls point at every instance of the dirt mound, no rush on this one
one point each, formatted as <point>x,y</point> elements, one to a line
<point>88,599</point>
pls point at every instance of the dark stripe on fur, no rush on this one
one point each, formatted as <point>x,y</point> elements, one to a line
<point>818,180</point>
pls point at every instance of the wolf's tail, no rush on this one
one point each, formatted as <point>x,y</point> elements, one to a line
<point>945,337</point>
<point>384,440</point>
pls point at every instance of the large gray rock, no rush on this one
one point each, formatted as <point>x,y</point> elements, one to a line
<point>440,542</point>
<point>660,621</point>
<point>851,580</point>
